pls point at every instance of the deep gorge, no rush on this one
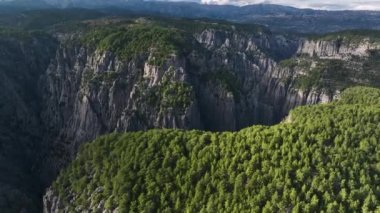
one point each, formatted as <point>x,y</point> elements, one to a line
<point>62,89</point>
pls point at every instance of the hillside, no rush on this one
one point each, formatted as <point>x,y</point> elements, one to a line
<point>71,75</point>
<point>276,17</point>
<point>336,60</point>
<point>23,58</point>
<point>130,74</point>
<point>322,157</point>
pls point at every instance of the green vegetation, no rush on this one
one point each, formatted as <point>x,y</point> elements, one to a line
<point>47,19</point>
<point>90,78</point>
<point>371,68</point>
<point>310,80</point>
<point>300,62</point>
<point>171,95</point>
<point>360,95</point>
<point>290,63</point>
<point>134,40</point>
<point>18,34</point>
<point>196,26</point>
<point>323,158</point>
<point>332,74</point>
<point>168,95</point>
<point>227,79</point>
<point>24,57</point>
<point>373,61</point>
<point>350,36</point>
<point>25,36</point>
<point>177,95</point>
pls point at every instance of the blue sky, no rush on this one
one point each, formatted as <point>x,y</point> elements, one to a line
<point>315,4</point>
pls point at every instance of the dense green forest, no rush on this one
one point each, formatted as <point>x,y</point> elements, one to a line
<point>350,36</point>
<point>321,158</point>
<point>137,39</point>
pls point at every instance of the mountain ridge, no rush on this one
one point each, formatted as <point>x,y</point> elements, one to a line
<point>294,166</point>
<point>92,72</point>
<point>280,18</point>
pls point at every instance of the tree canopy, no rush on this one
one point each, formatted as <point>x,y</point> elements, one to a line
<point>321,158</point>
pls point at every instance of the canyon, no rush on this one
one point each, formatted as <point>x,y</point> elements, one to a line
<point>60,91</point>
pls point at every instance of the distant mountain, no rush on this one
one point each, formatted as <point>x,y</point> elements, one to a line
<point>31,4</point>
<point>277,17</point>
<point>84,3</point>
<point>70,75</point>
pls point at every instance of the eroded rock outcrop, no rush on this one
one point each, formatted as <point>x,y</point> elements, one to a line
<point>338,48</point>
<point>228,80</point>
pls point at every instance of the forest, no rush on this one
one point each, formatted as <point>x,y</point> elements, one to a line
<point>321,158</point>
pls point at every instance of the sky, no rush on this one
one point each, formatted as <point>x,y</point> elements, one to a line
<point>315,4</point>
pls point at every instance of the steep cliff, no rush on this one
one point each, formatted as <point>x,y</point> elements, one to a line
<point>215,77</point>
<point>335,61</point>
<point>23,59</point>
<point>322,158</point>
<point>341,46</point>
<point>115,75</point>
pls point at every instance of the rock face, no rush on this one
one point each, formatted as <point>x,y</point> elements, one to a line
<point>227,81</point>
<point>66,93</point>
<point>22,62</point>
<point>52,203</point>
<point>337,48</point>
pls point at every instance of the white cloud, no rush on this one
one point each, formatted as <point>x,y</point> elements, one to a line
<point>315,4</point>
